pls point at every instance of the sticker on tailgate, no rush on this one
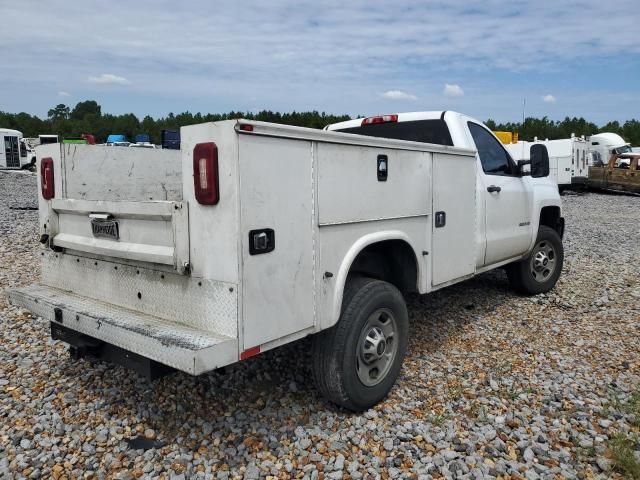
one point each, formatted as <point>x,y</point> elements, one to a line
<point>105,228</point>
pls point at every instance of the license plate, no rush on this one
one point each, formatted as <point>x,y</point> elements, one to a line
<point>105,229</point>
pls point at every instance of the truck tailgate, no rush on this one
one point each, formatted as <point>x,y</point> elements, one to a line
<point>182,347</point>
<point>151,231</point>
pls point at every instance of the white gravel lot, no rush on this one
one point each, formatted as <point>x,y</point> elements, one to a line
<point>494,385</point>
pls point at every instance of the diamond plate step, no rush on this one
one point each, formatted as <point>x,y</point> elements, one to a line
<point>184,348</point>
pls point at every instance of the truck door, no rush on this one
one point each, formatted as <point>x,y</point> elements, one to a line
<point>506,199</point>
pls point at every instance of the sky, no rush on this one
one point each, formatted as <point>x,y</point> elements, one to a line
<point>356,57</point>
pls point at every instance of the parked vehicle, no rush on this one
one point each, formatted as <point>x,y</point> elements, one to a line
<point>568,158</point>
<point>621,173</point>
<point>15,153</point>
<point>47,139</point>
<point>603,145</point>
<point>27,154</point>
<point>142,140</point>
<point>254,235</point>
<point>10,155</point>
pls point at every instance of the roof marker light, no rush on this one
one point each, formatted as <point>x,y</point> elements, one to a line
<point>379,119</point>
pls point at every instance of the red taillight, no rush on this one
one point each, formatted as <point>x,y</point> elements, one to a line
<point>46,178</point>
<point>379,119</point>
<point>205,173</point>
<point>245,127</point>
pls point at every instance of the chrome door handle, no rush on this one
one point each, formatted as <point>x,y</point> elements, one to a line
<point>493,188</point>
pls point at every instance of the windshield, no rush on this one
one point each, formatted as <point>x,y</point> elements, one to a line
<point>425,131</point>
<point>623,149</point>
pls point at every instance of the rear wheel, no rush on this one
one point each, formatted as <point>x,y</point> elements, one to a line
<point>357,361</point>
<point>539,272</point>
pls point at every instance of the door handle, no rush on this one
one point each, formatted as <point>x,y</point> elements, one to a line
<point>493,188</point>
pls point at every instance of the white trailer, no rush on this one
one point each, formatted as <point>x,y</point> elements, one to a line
<point>568,158</point>
<point>254,235</point>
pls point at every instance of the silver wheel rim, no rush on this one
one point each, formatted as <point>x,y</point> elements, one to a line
<point>377,347</point>
<point>543,261</point>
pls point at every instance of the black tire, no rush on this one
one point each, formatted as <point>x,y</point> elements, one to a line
<point>337,366</point>
<point>525,277</point>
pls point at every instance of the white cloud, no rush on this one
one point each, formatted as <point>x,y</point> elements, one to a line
<point>453,90</point>
<point>109,79</point>
<point>348,50</point>
<point>398,95</point>
<point>64,94</point>
<point>549,99</point>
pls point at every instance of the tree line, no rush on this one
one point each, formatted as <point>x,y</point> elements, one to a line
<point>553,129</point>
<point>87,117</point>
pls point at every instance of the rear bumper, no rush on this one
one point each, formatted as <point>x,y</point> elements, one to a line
<point>177,346</point>
<point>81,345</point>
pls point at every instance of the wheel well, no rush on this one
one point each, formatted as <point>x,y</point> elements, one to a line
<point>550,216</point>
<point>393,261</point>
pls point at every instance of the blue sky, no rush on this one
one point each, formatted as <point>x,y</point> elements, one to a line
<point>567,58</point>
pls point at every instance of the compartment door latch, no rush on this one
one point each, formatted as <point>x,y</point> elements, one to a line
<point>262,241</point>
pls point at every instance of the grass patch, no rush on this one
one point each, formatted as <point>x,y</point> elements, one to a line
<point>439,420</point>
<point>621,449</point>
<point>632,408</point>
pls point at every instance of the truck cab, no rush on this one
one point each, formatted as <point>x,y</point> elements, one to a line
<point>512,203</point>
<point>603,145</point>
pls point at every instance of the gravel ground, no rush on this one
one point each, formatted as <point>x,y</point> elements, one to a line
<point>494,385</point>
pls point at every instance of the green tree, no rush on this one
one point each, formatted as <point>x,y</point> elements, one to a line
<point>82,109</point>
<point>58,113</point>
<point>87,117</point>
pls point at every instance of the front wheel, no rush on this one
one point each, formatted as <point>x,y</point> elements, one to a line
<point>356,362</point>
<point>539,272</point>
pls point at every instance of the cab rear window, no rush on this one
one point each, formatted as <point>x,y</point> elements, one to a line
<point>425,131</point>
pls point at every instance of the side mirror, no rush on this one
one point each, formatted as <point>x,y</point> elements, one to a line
<point>539,161</point>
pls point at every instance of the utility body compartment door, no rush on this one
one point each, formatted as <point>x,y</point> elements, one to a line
<point>454,219</point>
<point>276,193</point>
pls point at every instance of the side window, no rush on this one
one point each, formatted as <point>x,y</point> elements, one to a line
<point>494,158</point>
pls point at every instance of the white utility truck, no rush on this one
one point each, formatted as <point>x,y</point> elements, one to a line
<point>568,158</point>
<point>254,235</point>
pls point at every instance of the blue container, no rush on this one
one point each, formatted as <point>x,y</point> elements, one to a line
<point>142,138</point>
<point>171,139</point>
<point>113,138</point>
